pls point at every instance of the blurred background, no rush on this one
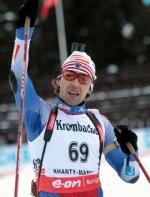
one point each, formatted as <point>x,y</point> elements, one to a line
<point>117,35</point>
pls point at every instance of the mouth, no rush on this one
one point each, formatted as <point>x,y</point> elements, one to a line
<point>73,93</point>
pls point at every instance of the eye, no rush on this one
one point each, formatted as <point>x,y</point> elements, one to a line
<point>68,76</point>
<point>84,79</point>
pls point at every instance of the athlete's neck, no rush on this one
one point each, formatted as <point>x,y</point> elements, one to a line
<point>69,108</point>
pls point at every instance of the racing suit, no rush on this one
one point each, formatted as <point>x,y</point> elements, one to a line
<point>72,159</point>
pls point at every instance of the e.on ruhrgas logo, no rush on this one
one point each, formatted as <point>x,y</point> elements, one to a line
<point>69,184</point>
<point>76,184</point>
<point>66,184</point>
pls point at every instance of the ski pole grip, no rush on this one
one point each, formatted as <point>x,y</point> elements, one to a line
<point>129,145</point>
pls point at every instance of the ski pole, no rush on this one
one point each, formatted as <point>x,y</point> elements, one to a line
<point>133,152</point>
<point>23,83</point>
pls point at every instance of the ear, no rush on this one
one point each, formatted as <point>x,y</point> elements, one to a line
<point>58,82</point>
<point>55,83</point>
<point>91,88</point>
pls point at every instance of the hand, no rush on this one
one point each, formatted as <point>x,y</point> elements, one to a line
<point>29,8</point>
<point>125,135</point>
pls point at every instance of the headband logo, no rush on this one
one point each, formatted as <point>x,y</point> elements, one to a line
<point>78,64</point>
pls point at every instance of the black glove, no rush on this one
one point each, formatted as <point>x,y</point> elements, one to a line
<point>125,135</point>
<point>29,8</point>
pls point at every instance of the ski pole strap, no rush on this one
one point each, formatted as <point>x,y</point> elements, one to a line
<point>47,136</point>
<point>50,124</point>
<point>98,127</point>
<point>48,132</point>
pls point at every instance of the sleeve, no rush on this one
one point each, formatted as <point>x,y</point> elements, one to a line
<point>36,110</point>
<point>125,166</point>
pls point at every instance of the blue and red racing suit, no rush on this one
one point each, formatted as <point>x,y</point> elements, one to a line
<point>71,162</point>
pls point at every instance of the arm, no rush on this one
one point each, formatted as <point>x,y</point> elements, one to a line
<point>36,111</point>
<point>124,164</point>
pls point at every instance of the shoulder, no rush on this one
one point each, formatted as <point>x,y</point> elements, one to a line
<point>105,120</point>
<point>107,126</point>
<point>98,115</point>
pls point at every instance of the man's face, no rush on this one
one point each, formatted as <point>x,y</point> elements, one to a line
<point>74,87</point>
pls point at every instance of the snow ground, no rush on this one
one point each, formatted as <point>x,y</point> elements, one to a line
<point>111,183</point>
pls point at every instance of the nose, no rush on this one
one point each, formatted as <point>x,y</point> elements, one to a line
<point>75,82</point>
